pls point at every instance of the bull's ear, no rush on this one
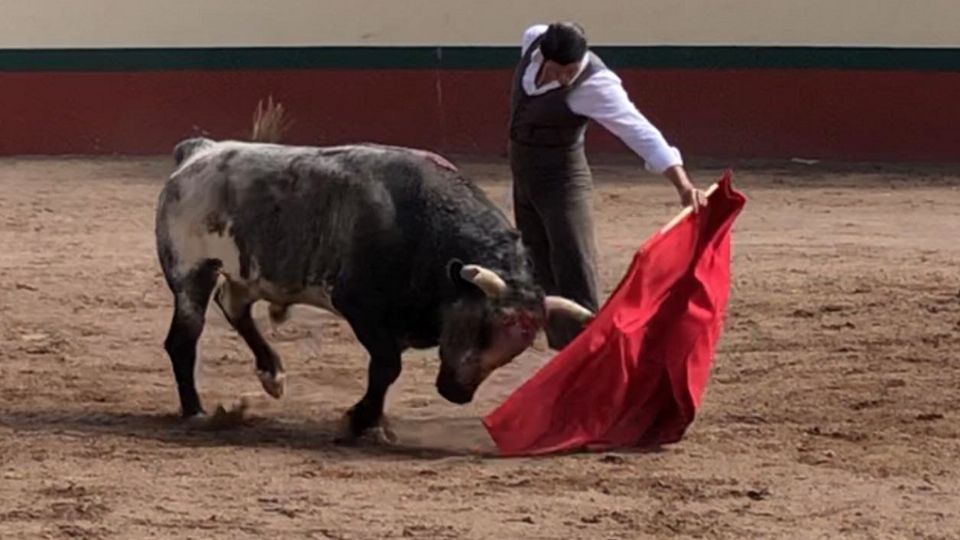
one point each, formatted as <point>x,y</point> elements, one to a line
<point>455,275</point>
<point>454,267</point>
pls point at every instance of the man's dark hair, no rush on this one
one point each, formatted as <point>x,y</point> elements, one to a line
<point>564,43</point>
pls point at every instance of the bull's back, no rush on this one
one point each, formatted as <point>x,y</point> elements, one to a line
<point>288,215</point>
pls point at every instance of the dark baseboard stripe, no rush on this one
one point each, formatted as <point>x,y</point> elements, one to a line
<point>473,58</point>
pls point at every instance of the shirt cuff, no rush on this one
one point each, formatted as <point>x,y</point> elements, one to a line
<point>660,161</point>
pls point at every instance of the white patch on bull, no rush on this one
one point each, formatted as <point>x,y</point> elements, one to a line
<point>193,244</point>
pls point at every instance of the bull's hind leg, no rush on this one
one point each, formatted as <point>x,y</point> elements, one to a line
<point>237,306</point>
<point>191,296</point>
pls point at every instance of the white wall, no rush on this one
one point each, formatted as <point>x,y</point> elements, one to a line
<point>171,23</point>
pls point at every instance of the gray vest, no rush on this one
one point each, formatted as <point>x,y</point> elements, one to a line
<point>545,120</point>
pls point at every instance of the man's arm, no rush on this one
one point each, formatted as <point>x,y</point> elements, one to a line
<point>603,99</point>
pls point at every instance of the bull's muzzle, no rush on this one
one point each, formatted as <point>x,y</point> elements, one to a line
<point>452,390</point>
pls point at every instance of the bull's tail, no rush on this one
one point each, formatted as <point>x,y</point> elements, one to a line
<point>269,124</point>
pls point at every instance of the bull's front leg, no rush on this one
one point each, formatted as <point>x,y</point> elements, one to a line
<point>367,416</point>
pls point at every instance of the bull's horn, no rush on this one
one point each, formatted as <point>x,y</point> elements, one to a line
<point>559,304</point>
<point>487,280</point>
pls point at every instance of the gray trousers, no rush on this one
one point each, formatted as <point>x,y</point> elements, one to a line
<point>552,201</point>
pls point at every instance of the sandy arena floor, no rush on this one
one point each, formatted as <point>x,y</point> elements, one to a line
<point>832,410</point>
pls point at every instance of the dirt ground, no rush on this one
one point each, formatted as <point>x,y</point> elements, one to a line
<point>832,410</point>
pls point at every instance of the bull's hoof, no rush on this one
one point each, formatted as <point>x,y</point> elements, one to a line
<point>193,420</point>
<point>272,384</point>
<point>383,433</point>
<point>380,433</point>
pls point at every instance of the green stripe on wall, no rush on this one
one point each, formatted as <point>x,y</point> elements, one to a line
<point>694,57</point>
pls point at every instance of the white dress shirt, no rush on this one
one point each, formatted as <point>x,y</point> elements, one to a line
<point>602,98</point>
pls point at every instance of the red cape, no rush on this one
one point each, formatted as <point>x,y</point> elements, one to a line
<point>634,377</point>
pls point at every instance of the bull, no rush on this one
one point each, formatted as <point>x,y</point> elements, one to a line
<point>395,241</point>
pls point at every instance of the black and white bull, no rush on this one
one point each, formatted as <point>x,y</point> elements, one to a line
<point>399,244</point>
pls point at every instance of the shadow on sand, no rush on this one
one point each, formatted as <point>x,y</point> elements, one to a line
<point>428,439</point>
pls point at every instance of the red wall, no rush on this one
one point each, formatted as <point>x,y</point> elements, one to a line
<point>757,113</point>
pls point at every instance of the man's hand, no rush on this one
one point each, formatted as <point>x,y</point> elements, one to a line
<point>689,195</point>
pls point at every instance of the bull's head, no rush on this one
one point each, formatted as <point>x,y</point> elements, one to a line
<point>489,325</point>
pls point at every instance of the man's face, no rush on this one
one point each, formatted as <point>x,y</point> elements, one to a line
<point>562,73</point>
